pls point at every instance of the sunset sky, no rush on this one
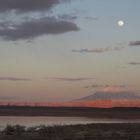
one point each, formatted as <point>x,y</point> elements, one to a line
<point>61,50</point>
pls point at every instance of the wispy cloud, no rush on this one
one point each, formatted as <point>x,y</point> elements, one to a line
<point>90,18</point>
<point>70,79</point>
<point>6,78</point>
<point>68,17</point>
<point>134,43</point>
<point>134,63</point>
<point>98,50</point>
<point>106,86</point>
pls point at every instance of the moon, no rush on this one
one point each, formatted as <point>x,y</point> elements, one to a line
<point>120,23</point>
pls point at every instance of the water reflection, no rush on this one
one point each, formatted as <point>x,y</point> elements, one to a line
<point>50,121</point>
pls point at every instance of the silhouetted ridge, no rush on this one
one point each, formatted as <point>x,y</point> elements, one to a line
<point>111,96</point>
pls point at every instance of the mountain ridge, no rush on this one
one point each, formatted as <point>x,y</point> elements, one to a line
<point>110,96</point>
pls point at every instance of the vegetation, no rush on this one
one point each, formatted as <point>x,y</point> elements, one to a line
<point>112,131</point>
<point>73,132</point>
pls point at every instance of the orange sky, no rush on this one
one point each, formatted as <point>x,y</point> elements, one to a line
<point>97,103</point>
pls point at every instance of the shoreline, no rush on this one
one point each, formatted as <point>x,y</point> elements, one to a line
<point>110,113</point>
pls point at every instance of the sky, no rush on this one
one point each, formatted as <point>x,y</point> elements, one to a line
<point>62,50</point>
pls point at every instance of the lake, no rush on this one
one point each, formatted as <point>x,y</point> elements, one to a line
<point>50,121</point>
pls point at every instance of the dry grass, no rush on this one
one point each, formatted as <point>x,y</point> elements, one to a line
<point>73,132</point>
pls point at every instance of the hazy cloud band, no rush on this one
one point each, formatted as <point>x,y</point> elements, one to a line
<point>71,79</point>
<point>134,43</point>
<point>14,79</point>
<point>98,50</point>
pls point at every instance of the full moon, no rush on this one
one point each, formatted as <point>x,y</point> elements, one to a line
<point>120,23</point>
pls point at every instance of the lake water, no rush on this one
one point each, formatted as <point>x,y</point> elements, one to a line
<point>50,121</point>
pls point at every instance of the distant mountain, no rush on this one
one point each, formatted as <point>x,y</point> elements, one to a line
<point>111,96</point>
<point>98,100</point>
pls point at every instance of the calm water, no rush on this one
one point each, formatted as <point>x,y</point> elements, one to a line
<point>50,121</point>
